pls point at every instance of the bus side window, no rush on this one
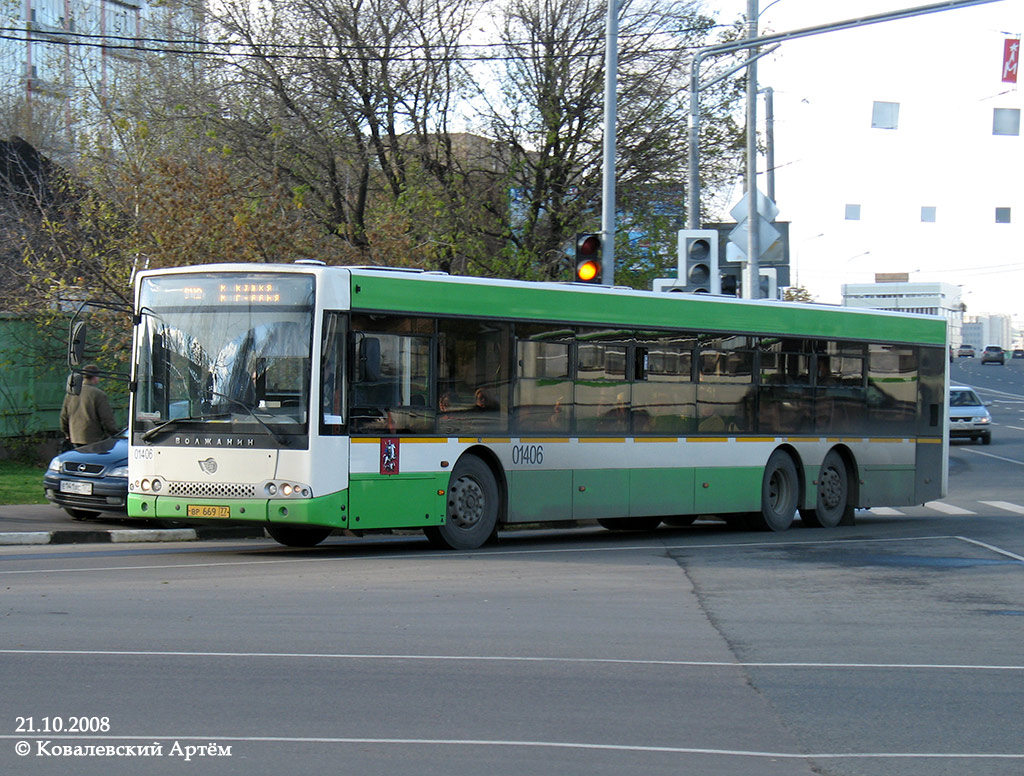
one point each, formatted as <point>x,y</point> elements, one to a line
<point>390,384</point>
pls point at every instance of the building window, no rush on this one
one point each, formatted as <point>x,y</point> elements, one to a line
<point>853,212</point>
<point>1006,121</point>
<point>1002,215</point>
<point>885,115</point>
<point>928,214</point>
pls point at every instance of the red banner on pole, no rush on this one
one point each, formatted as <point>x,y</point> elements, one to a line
<point>1011,57</point>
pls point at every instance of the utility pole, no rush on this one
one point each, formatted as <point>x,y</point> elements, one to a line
<point>769,139</point>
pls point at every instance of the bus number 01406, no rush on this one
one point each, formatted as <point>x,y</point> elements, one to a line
<point>527,454</point>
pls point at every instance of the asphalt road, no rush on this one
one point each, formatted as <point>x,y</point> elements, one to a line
<point>890,648</point>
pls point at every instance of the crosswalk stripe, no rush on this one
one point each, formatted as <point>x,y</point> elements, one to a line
<point>1015,508</point>
<point>949,509</point>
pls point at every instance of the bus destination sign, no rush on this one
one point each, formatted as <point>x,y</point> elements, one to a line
<point>248,293</point>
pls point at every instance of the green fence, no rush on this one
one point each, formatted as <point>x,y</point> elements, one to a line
<point>33,372</point>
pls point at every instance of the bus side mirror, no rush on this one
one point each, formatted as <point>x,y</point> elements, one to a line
<point>76,344</point>
<point>369,360</point>
<point>74,384</point>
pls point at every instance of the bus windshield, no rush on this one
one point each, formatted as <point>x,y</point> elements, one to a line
<point>224,354</point>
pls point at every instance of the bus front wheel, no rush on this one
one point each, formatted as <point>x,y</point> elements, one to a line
<point>298,536</point>
<point>780,490</point>
<point>472,514</point>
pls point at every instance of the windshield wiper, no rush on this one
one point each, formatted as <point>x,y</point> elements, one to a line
<point>283,441</point>
<point>190,418</point>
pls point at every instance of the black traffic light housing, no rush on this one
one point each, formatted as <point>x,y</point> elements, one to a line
<point>588,258</point>
<point>698,261</point>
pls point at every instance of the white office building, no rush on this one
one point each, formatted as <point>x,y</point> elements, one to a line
<point>895,292</point>
<point>982,330</point>
<point>62,59</point>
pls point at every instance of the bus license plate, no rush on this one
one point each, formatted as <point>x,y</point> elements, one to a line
<point>203,510</point>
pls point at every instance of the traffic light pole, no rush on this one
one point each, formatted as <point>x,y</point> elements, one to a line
<point>751,269</point>
<point>611,67</point>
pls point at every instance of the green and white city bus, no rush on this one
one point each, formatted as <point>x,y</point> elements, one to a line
<point>308,398</point>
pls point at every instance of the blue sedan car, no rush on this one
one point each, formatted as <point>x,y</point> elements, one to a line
<point>90,479</point>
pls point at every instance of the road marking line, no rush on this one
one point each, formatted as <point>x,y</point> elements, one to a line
<point>551,745</point>
<point>558,745</point>
<point>997,457</point>
<point>1006,505</point>
<point>949,509</point>
<point>886,512</point>
<point>515,658</point>
<point>994,549</point>
<point>1016,428</point>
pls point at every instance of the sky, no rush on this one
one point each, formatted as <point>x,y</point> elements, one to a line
<point>944,70</point>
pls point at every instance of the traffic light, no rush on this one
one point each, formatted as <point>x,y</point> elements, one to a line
<point>731,281</point>
<point>698,260</point>
<point>588,258</point>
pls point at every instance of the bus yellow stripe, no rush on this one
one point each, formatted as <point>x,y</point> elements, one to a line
<point>603,440</point>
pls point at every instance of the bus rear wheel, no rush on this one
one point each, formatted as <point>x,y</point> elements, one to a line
<point>472,515</point>
<point>780,490</point>
<point>298,536</point>
<point>833,503</point>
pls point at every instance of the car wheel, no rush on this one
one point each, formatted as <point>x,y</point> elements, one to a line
<point>986,439</point>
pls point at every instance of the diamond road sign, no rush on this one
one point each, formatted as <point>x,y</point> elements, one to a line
<point>767,235</point>
<point>765,208</point>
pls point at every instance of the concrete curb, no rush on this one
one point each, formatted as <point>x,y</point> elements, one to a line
<point>123,535</point>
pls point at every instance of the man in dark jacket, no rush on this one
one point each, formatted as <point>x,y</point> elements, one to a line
<point>88,418</point>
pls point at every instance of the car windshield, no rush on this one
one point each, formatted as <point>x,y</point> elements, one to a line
<point>963,398</point>
<point>228,352</point>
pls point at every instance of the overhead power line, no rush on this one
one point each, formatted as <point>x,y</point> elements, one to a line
<point>299,51</point>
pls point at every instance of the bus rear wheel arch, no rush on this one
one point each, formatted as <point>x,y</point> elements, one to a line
<point>474,505</point>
